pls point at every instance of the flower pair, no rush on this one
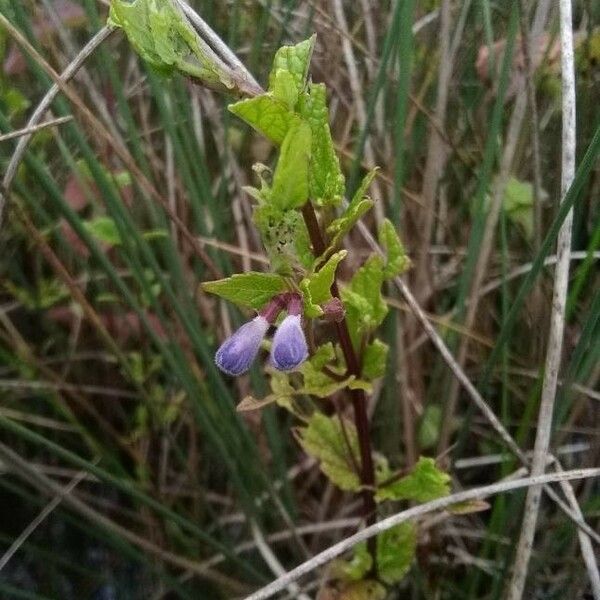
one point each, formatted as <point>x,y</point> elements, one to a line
<point>288,349</point>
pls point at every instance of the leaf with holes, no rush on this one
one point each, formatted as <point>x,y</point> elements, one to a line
<point>285,238</point>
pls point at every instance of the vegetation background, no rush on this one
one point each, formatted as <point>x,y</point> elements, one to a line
<point>125,471</point>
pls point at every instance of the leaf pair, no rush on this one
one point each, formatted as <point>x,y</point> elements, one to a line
<point>334,442</point>
<point>293,113</point>
<point>396,548</point>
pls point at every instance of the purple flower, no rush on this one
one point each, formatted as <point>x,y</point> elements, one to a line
<point>237,352</point>
<point>289,344</point>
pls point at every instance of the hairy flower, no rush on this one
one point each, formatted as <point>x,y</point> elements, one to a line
<point>237,352</point>
<point>289,347</point>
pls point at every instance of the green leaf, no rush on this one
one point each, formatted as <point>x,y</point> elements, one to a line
<point>397,260</point>
<point>382,467</point>
<point>262,195</point>
<point>48,293</point>
<point>426,482</point>
<point>342,225</point>
<point>163,37</point>
<point>365,184</point>
<point>356,568</point>
<point>290,181</point>
<point>517,193</point>
<point>295,60</point>
<point>325,176</point>
<point>518,204</point>
<point>429,426</point>
<point>122,179</point>
<point>374,360</point>
<point>347,578</point>
<point>284,88</point>
<point>268,115</point>
<point>282,390</point>
<point>365,306</point>
<point>360,384</point>
<point>282,394</point>
<point>315,381</point>
<point>316,287</point>
<point>104,229</point>
<point>396,548</point>
<point>319,384</point>
<point>360,204</point>
<point>16,102</point>
<point>247,289</point>
<point>285,238</point>
<point>369,589</point>
<point>323,355</point>
<point>325,440</point>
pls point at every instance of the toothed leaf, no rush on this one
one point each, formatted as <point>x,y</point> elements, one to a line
<point>251,289</point>
<point>325,176</point>
<point>317,286</point>
<point>324,439</point>
<point>426,482</point>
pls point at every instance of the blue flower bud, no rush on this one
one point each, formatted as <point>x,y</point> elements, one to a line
<point>289,347</point>
<point>237,352</point>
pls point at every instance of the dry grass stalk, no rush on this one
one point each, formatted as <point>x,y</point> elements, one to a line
<point>516,585</point>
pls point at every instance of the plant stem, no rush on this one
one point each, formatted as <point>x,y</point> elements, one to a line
<point>407,515</point>
<point>358,397</point>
